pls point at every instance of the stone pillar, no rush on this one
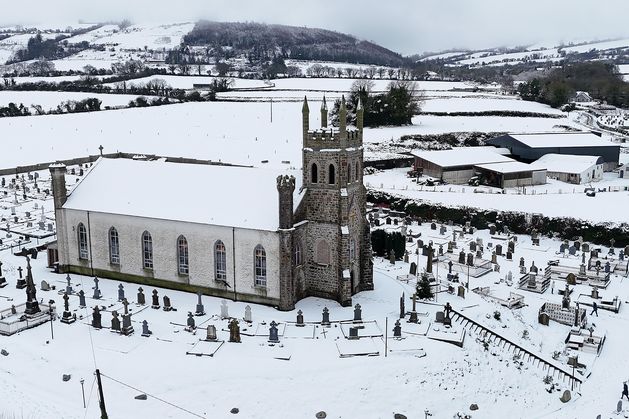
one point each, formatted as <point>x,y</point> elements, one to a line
<point>324,113</point>
<point>360,112</point>
<point>305,118</point>
<point>285,188</point>
<point>342,120</point>
<point>59,191</point>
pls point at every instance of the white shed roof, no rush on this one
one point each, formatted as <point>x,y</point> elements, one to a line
<point>562,139</point>
<point>566,163</point>
<point>462,156</point>
<point>206,194</point>
<point>510,167</point>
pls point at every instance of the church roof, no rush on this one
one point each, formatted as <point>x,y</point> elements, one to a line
<point>229,196</point>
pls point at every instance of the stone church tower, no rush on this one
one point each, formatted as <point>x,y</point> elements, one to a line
<point>337,243</point>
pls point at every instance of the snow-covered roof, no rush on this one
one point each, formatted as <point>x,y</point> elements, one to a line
<point>562,139</point>
<point>509,167</point>
<point>219,195</point>
<point>462,156</point>
<point>567,163</point>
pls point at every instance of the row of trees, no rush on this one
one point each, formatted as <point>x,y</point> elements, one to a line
<point>396,106</point>
<point>601,80</point>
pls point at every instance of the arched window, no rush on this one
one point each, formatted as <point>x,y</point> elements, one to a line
<point>147,250</point>
<point>82,240</point>
<point>114,247</point>
<point>297,256</point>
<point>259,266</point>
<point>220,261</point>
<point>182,256</point>
<point>314,173</point>
<point>349,172</point>
<point>331,175</point>
<point>323,253</point>
<point>357,175</point>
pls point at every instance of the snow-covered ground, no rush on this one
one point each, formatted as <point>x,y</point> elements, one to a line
<point>554,199</point>
<point>50,100</point>
<point>306,366</point>
<point>486,104</point>
<point>187,82</point>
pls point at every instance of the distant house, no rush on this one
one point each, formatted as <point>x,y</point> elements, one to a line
<point>457,165</point>
<point>623,172</point>
<point>531,147</point>
<point>572,169</point>
<point>582,97</point>
<point>511,174</point>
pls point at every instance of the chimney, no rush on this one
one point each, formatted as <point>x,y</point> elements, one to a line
<point>285,189</point>
<point>59,191</point>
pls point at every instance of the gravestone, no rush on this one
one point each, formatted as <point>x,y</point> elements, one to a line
<point>511,246</point>
<point>273,336</point>
<point>523,270</point>
<point>45,286</point>
<point>392,257</point>
<point>96,318</point>
<point>397,329</point>
<point>69,289</point>
<point>141,299</point>
<point>353,333</point>
<point>473,246</point>
<point>509,277</point>
<point>200,311</point>
<point>413,317</point>
<point>3,280</point>
<point>479,254</point>
<point>521,261</point>
<point>402,308</point>
<point>533,268</point>
<point>248,317</point>
<point>190,323</point>
<point>450,247</point>
<point>97,294</point>
<point>470,259</point>
<point>509,255</point>
<point>461,291</point>
<point>494,258</point>
<point>155,300</point>
<point>442,230</point>
<point>300,319</point>
<point>357,314</point>
<point>115,321</point>
<point>406,256</point>
<point>563,247</point>
<point>388,220</point>
<point>492,229</point>
<point>145,329</point>
<point>167,306</point>
<point>572,250</point>
<point>224,310</point>
<point>21,282</point>
<point>120,292</point>
<point>462,257</point>
<point>621,256</point>
<point>571,279</point>
<point>234,331</point>
<point>497,267</point>
<point>577,244</point>
<point>594,293</point>
<point>450,264</point>
<point>607,267</point>
<point>413,269</point>
<point>543,319</point>
<point>498,250</point>
<point>433,226</point>
<point>439,317</point>
<point>81,295</point>
<point>67,317</point>
<point>565,397</point>
<point>127,328</point>
<point>211,333</point>
<point>325,317</point>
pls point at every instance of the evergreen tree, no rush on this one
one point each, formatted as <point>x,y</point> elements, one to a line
<point>423,289</point>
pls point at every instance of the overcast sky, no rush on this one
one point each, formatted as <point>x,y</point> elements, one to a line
<point>405,26</point>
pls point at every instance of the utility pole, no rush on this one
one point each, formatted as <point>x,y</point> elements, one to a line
<point>386,336</point>
<point>101,396</point>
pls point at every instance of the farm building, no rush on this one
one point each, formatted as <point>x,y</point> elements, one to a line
<point>510,174</point>
<point>582,97</point>
<point>572,168</point>
<point>457,165</point>
<point>530,147</point>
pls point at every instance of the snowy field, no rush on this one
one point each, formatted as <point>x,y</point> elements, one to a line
<point>486,104</point>
<point>554,199</point>
<point>306,365</point>
<point>187,82</point>
<point>50,100</point>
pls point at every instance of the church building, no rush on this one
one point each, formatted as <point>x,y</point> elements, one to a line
<point>247,234</point>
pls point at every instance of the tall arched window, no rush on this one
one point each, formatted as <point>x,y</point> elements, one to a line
<point>331,175</point>
<point>220,261</point>
<point>147,250</point>
<point>182,256</point>
<point>352,250</point>
<point>314,173</point>
<point>322,256</point>
<point>114,247</point>
<point>297,256</point>
<point>357,175</point>
<point>259,266</point>
<point>349,172</point>
<point>82,240</point>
